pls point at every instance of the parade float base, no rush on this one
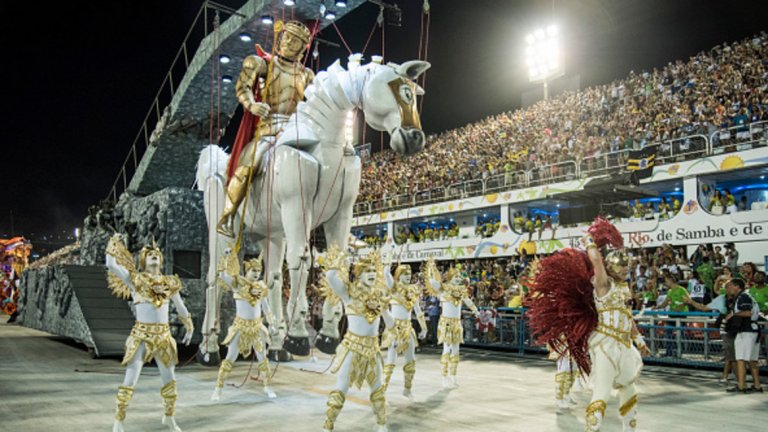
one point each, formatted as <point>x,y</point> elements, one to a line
<point>49,385</point>
<point>74,302</point>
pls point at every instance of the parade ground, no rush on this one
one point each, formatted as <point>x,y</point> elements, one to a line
<point>50,384</point>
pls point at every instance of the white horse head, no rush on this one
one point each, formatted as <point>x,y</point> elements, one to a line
<point>389,103</point>
<point>385,93</point>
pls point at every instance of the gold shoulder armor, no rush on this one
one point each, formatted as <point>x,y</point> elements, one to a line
<point>122,255</point>
<point>119,288</point>
<point>174,284</point>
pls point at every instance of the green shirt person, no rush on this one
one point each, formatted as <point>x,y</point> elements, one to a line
<point>676,296</point>
<point>759,292</point>
<point>707,274</point>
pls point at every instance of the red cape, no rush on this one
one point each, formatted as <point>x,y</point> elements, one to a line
<point>247,124</point>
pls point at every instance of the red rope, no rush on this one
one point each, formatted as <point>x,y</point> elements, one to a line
<point>426,55</point>
<point>370,35</point>
<point>342,37</point>
<point>421,34</point>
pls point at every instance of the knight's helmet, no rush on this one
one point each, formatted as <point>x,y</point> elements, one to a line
<point>297,30</point>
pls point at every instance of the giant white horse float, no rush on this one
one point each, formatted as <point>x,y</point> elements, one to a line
<point>307,181</point>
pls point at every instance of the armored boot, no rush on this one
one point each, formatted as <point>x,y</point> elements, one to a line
<point>224,370</point>
<point>168,393</point>
<point>379,404</point>
<point>388,369</point>
<point>335,404</point>
<point>263,368</point>
<point>409,370</point>
<point>594,416</point>
<point>236,190</point>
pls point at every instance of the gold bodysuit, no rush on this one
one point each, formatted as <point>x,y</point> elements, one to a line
<point>253,334</point>
<point>402,333</point>
<point>449,330</point>
<point>366,353</point>
<point>157,339</point>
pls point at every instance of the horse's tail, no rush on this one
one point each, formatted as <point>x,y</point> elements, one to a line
<point>211,163</point>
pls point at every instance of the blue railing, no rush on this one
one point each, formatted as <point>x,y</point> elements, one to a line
<point>688,339</point>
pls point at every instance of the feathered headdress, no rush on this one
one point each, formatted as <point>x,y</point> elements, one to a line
<point>562,310</point>
<point>605,234</point>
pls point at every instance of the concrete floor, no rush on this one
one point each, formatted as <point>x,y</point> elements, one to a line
<point>49,385</point>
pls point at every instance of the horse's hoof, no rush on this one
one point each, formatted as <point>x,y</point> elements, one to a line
<point>326,344</point>
<point>279,356</point>
<point>213,358</point>
<point>297,345</point>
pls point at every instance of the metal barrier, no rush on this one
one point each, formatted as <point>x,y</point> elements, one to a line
<point>682,149</point>
<point>681,339</point>
<point>505,181</point>
<point>553,173</point>
<point>603,164</point>
<point>738,138</point>
<point>429,196</point>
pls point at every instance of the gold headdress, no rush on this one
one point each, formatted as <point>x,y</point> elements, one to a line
<point>295,28</point>
<point>401,268</point>
<point>254,263</point>
<point>146,251</point>
<point>372,260</point>
<point>617,261</point>
<point>451,273</point>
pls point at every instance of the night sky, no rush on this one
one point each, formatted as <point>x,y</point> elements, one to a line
<point>78,77</point>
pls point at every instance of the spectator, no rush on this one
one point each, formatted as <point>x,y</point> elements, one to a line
<point>759,292</point>
<point>731,257</point>
<point>742,321</point>
<point>713,89</point>
<point>676,302</point>
<point>743,203</point>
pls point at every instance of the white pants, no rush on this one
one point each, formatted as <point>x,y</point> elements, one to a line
<point>747,347</point>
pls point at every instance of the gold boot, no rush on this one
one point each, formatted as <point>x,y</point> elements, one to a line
<point>628,412</point>
<point>388,369</point>
<point>224,370</point>
<point>454,364</point>
<point>444,359</point>
<point>263,369</point>
<point>335,404</point>
<point>561,385</point>
<point>594,416</point>
<point>379,404</point>
<point>236,190</point>
<point>409,370</point>
<point>168,392</point>
<point>124,395</point>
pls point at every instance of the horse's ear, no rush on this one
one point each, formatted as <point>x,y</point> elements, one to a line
<point>419,90</point>
<point>413,68</point>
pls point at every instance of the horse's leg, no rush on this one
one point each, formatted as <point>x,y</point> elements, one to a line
<point>298,259</point>
<point>213,193</point>
<point>337,231</point>
<point>274,280</point>
<point>296,190</point>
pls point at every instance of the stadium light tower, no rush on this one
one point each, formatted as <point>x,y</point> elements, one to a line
<point>543,56</point>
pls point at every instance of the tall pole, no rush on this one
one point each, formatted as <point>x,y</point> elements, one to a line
<point>546,90</point>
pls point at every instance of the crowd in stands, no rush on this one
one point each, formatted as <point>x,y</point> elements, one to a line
<point>722,201</point>
<point>723,87</point>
